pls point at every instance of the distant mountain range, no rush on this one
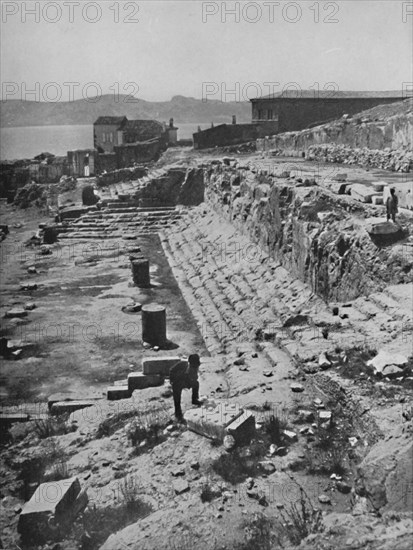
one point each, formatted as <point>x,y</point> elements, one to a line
<point>181,109</point>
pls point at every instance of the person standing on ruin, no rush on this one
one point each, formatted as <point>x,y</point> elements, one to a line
<point>392,204</point>
<point>185,376</point>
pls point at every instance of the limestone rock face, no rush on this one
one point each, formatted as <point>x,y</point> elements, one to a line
<point>386,474</point>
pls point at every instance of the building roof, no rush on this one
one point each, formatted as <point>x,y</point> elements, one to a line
<point>111,120</point>
<point>144,127</point>
<point>331,94</point>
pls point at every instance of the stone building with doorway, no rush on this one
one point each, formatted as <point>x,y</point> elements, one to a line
<point>298,109</point>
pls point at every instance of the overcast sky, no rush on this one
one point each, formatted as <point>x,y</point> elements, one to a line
<point>168,48</point>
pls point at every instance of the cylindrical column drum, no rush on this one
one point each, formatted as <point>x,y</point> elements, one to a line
<point>154,324</point>
<point>140,272</point>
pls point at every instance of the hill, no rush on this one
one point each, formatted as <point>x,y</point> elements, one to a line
<point>182,109</point>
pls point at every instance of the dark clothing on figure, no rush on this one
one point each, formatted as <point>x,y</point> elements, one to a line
<point>391,207</point>
<point>184,376</point>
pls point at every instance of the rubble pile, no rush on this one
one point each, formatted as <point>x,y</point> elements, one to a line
<point>395,161</point>
<point>32,193</point>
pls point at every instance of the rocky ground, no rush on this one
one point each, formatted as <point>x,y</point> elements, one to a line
<point>268,343</point>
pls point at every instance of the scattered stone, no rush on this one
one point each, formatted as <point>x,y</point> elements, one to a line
<point>30,306</point>
<point>324,499</point>
<point>132,308</point>
<point>267,373</point>
<point>194,465</point>
<point>28,286</point>
<point>250,482</point>
<point>343,487</point>
<point>253,493</point>
<point>335,310</point>
<point>290,436</point>
<point>267,466</point>
<point>324,362</point>
<point>282,451</point>
<point>325,417</point>
<point>178,472</point>
<point>273,449</point>
<point>305,416</point>
<point>180,486</point>
<point>392,371</point>
<point>16,313</point>
<point>297,388</point>
<point>45,250</point>
<point>384,359</point>
<point>318,403</point>
<point>263,501</point>
<point>229,442</point>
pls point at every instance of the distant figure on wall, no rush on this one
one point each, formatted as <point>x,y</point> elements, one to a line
<point>392,204</point>
<point>86,168</point>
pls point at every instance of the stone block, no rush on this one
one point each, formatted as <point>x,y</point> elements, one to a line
<point>325,417</point>
<point>242,428</point>
<point>361,192</point>
<point>118,392</point>
<point>160,365</point>
<point>378,186</point>
<point>63,407</point>
<point>15,313</point>
<point>139,381</point>
<point>28,286</point>
<point>52,503</point>
<point>290,436</point>
<point>212,420</point>
<point>377,199</point>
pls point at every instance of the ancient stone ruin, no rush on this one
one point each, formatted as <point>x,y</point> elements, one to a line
<point>288,281</point>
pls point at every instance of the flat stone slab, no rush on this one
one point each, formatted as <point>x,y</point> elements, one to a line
<point>15,313</point>
<point>160,365</point>
<point>63,407</point>
<point>140,381</point>
<point>11,418</point>
<point>69,396</point>
<point>114,393</point>
<point>54,501</point>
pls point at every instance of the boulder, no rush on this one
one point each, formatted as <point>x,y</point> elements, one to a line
<point>384,359</point>
<point>386,474</point>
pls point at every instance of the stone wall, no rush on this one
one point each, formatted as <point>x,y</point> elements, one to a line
<point>177,186</point>
<point>381,130</point>
<point>124,174</point>
<point>309,231</point>
<point>145,151</point>
<point>232,134</point>
<point>301,112</point>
